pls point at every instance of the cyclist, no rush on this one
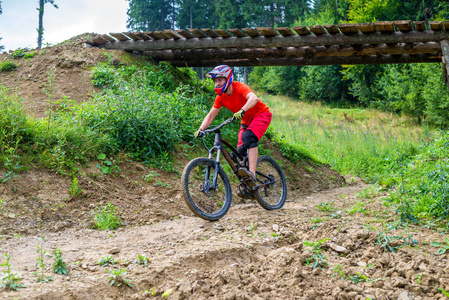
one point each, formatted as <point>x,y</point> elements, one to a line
<point>255,116</point>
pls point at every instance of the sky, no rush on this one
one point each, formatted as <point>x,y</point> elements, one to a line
<point>20,20</point>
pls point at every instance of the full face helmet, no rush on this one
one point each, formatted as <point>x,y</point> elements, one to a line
<point>222,71</point>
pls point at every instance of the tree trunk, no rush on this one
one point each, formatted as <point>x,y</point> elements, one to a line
<point>40,31</point>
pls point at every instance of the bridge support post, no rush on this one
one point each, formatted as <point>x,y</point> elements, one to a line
<point>445,60</point>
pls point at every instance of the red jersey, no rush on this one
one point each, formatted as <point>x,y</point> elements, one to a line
<point>237,100</point>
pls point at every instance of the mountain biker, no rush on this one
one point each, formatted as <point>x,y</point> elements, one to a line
<point>255,116</point>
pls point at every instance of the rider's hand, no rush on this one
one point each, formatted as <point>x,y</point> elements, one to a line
<point>199,133</point>
<point>239,115</point>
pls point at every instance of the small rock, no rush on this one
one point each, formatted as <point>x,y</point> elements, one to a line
<point>403,296</point>
<point>84,266</point>
<point>361,264</point>
<point>114,250</point>
<point>337,248</point>
<point>92,269</point>
<point>219,227</point>
<point>276,227</point>
<point>399,282</point>
<point>170,253</point>
<point>11,215</point>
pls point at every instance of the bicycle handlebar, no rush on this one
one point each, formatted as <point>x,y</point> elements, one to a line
<point>215,129</point>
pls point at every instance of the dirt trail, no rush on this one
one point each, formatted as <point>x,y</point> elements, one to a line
<point>249,254</point>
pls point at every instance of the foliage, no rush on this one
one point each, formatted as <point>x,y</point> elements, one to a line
<point>317,259</point>
<point>7,65</point>
<point>108,260</point>
<point>116,277</point>
<point>75,190</point>
<point>40,264</point>
<point>59,265</point>
<point>23,52</point>
<point>106,217</point>
<point>443,248</point>
<point>10,281</point>
<point>142,260</point>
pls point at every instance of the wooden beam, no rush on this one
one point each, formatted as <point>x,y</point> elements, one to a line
<point>301,30</point>
<point>348,28</point>
<point>173,34</point>
<point>99,40</point>
<point>142,35</point>
<point>385,26</point>
<point>436,25</point>
<point>197,33</point>
<point>119,36</point>
<point>251,32</point>
<point>185,34</point>
<point>331,29</point>
<point>163,35</point>
<point>108,38</point>
<point>404,26</point>
<point>154,35</point>
<point>285,31</point>
<point>445,60</point>
<point>237,32</point>
<point>446,25</point>
<point>223,33</point>
<point>317,29</point>
<point>210,32</point>
<point>366,27</point>
<point>281,41</point>
<point>362,60</point>
<point>267,31</point>
<point>132,36</point>
<point>420,25</point>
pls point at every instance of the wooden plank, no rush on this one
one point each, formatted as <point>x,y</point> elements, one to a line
<point>267,31</point>
<point>185,33</point>
<point>99,40</point>
<point>348,28</point>
<point>163,35</point>
<point>119,36</point>
<point>317,29</point>
<point>385,26</point>
<point>108,38</point>
<point>445,60</point>
<point>210,32</point>
<point>142,35</point>
<point>198,33</point>
<point>301,30</point>
<point>404,26</point>
<point>285,31</point>
<point>153,35</point>
<point>436,25</point>
<point>446,25</point>
<point>366,27</point>
<point>331,29</point>
<point>237,32</point>
<point>223,33</point>
<point>173,34</point>
<point>251,32</point>
<point>420,25</point>
<point>132,36</point>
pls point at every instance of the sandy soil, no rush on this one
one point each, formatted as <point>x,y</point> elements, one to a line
<point>249,254</point>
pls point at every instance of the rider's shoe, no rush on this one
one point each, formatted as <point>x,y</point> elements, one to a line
<point>248,176</point>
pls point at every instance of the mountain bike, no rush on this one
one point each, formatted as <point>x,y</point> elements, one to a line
<point>207,189</point>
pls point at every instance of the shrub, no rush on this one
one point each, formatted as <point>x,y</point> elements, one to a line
<point>7,65</point>
<point>106,217</point>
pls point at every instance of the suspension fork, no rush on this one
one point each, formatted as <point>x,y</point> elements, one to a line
<point>217,147</point>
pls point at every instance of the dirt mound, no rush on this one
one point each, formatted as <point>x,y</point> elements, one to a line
<point>326,243</point>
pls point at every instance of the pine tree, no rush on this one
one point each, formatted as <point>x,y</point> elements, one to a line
<point>196,14</point>
<point>150,15</point>
<point>40,30</point>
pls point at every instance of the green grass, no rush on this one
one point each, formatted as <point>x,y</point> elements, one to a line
<point>367,143</point>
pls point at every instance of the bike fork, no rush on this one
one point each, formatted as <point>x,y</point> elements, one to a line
<point>216,165</point>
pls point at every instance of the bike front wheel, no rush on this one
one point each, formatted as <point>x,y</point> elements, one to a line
<point>274,193</point>
<point>205,199</point>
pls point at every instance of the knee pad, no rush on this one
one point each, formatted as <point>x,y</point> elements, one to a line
<point>249,139</point>
<point>242,150</point>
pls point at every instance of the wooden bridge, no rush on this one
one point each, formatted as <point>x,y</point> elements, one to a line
<point>343,44</point>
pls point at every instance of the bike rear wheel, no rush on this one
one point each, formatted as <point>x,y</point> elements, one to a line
<point>205,200</point>
<point>273,195</point>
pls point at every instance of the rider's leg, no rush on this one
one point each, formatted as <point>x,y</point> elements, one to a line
<point>252,159</point>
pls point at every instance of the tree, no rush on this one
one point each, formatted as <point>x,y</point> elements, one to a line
<point>1,11</point>
<point>196,14</point>
<point>40,30</point>
<point>150,15</point>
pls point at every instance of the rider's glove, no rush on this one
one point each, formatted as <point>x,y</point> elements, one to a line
<point>199,133</point>
<point>239,115</point>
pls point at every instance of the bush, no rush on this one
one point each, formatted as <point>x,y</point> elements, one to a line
<point>7,65</point>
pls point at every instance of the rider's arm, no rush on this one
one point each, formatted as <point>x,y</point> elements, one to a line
<point>209,118</point>
<point>252,100</point>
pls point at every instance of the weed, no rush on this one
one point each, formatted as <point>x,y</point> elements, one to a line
<point>317,259</point>
<point>74,188</point>
<point>18,53</point>
<point>49,89</point>
<point>336,215</point>
<point>142,260</point>
<point>108,260</point>
<point>150,177</point>
<point>385,242</point>
<point>59,265</point>
<point>40,264</point>
<point>10,281</point>
<point>358,207</point>
<point>369,193</point>
<point>167,293</point>
<point>418,278</point>
<point>117,277</point>
<point>443,248</point>
<point>162,184</point>
<point>444,292</point>
<point>106,217</point>
<point>105,165</point>
<point>326,206</point>
<point>7,66</point>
